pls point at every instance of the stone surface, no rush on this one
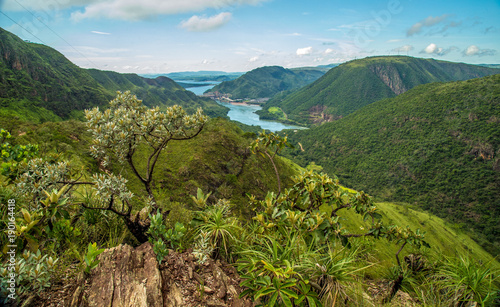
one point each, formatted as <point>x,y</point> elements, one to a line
<point>127,277</point>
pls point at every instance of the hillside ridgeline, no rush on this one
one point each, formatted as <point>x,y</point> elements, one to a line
<point>355,84</point>
<point>40,84</point>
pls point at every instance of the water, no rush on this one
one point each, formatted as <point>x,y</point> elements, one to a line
<point>243,113</point>
<point>199,90</point>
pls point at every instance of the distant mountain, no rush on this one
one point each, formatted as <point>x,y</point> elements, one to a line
<point>352,85</point>
<point>39,84</point>
<point>160,91</point>
<point>437,145</point>
<point>265,82</point>
<point>199,76</point>
<point>490,65</point>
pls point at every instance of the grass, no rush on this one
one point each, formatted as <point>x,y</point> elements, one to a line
<point>441,236</point>
<point>280,115</point>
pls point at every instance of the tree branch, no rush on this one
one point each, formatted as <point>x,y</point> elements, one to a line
<point>334,211</point>
<point>275,170</point>
<point>110,208</point>
<point>352,235</point>
<point>397,254</point>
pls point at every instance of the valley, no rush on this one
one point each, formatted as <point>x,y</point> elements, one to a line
<point>371,182</point>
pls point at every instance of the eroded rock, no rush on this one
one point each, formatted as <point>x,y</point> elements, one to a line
<point>132,277</point>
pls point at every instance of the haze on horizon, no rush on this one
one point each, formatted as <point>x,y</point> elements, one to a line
<point>157,36</point>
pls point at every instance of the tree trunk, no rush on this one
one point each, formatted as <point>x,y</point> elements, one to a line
<point>395,288</point>
<point>138,228</point>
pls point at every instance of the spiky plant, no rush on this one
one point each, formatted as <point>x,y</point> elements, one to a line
<point>464,280</point>
<point>333,272</point>
<point>221,229</point>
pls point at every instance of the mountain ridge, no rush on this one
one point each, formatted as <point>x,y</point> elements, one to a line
<point>352,85</point>
<point>35,75</point>
<point>265,82</point>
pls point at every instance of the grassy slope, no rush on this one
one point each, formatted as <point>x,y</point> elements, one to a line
<point>443,237</point>
<point>353,85</point>
<point>436,145</point>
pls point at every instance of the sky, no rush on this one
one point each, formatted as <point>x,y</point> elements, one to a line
<point>162,36</point>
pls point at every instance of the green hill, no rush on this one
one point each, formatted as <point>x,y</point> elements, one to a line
<point>40,84</point>
<point>355,84</point>
<point>438,146</point>
<point>265,82</point>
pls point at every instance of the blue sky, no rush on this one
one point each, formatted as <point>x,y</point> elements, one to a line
<point>160,36</point>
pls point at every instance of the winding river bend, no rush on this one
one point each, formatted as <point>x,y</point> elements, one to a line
<point>244,113</point>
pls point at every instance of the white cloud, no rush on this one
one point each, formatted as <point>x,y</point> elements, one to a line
<point>254,59</point>
<point>474,50</point>
<point>405,48</point>
<point>329,50</point>
<point>427,22</point>
<point>304,51</point>
<point>202,24</point>
<point>144,9</point>
<point>434,49</point>
<point>48,5</point>
<point>101,33</point>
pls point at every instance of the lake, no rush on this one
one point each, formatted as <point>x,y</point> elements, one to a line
<point>243,113</point>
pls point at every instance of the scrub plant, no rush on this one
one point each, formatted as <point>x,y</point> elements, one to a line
<point>463,280</point>
<point>33,273</point>
<point>90,258</point>
<point>220,228</point>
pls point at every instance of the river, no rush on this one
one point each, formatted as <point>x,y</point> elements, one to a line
<point>243,113</point>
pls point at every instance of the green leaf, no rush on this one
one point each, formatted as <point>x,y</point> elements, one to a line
<point>273,299</point>
<point>289,293</point>
<point>286,300</point>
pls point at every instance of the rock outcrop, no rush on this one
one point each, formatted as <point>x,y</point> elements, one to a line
<point>129,277</point>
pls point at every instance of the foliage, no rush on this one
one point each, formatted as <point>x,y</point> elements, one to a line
<point>159,235</point>
<point>462,279</point>
<point>216,225</point>
<point>436,146</point>
<point>297,237</point>
<point>270,142</point>
<point>33,273</point>
<point>12,155</point>
<point>90,258</point>
<point>119,131</point>
<point>202,249</point>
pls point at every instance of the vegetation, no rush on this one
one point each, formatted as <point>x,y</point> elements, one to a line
<point>265,82</point>
<point>308,245</point>
<point>435,146</point>
<point>355,84</point>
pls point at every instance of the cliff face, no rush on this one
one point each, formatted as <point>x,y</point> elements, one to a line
<point>391,77</point>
